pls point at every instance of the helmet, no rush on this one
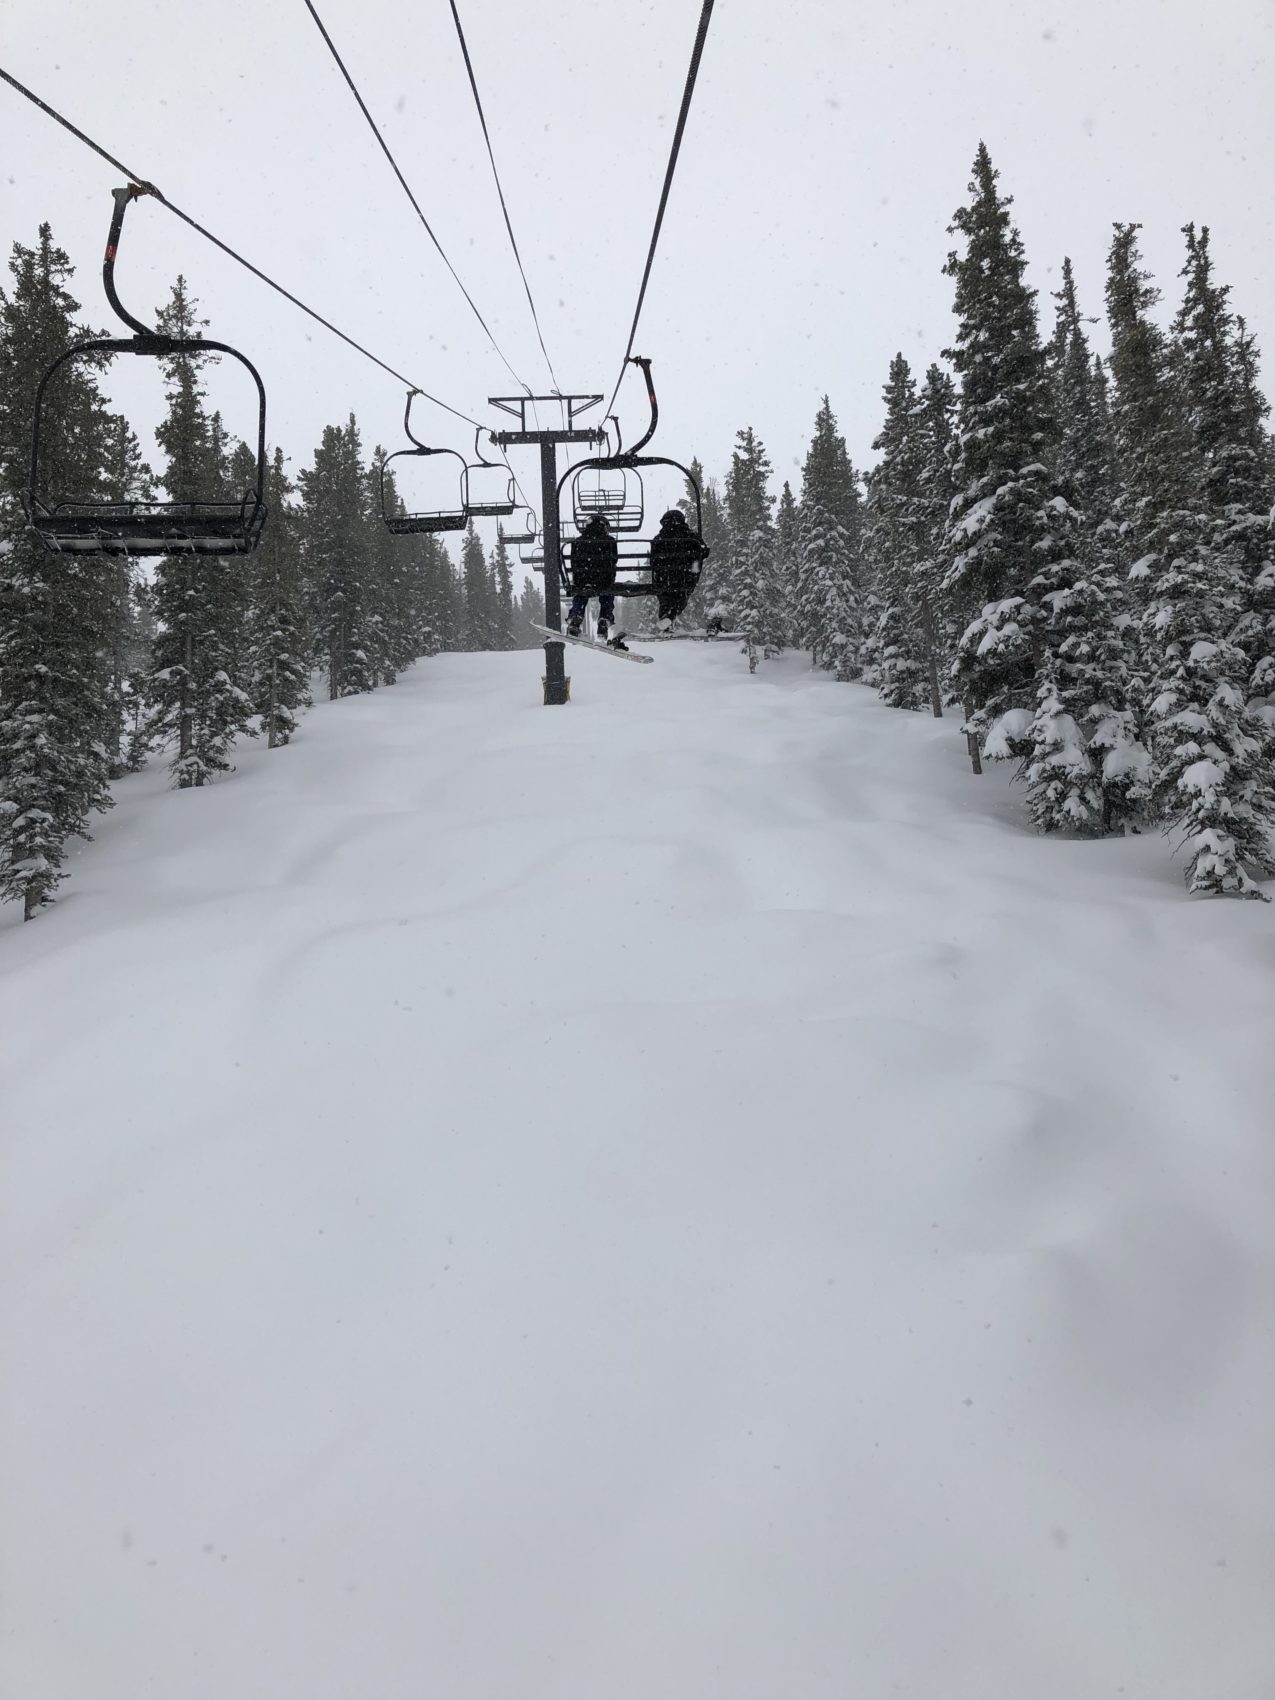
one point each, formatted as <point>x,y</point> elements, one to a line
<point>674,516</point>
<point>597,523</point>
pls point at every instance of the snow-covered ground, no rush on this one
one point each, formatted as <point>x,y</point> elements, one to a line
<point>679,1197</point>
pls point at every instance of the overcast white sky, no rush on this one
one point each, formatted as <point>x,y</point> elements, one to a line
<point>827,149</point>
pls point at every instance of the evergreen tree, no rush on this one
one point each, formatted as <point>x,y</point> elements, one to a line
<point>749,591</point>
<point>711,593</point>
<point>334,545</point>
<point>753,588</point>
<point>897,540</point>
<point>829,608</point>
<point>502,572</point>
<point>1087,769</point>
<point>195,694</point>
<point>125,478</point>
<point>279,678</point>
<point>829,481</point>
<point>1148,431</point>
<point>392,598</point>
<point>1081,455</point>
<point>1214,779</point>
<point>1008,520</point>
<point>56,610</point>
<point>479,625</point>
<point>939,629</point>
<point>143,629</point>
<point>531,612</point>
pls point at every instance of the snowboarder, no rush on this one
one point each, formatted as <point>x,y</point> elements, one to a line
<point>593,561</point>
<point>676,553</point>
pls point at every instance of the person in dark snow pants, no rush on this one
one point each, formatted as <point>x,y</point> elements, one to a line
<point>593,560</point>
<point>676,553</point>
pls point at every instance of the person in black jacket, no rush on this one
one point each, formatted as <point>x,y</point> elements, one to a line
<point>593,559</point>
<point>676,553</point>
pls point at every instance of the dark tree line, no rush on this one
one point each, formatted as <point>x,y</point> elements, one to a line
<point>102,664</point>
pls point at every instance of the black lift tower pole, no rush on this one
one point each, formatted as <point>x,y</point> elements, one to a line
<point>572,407</point>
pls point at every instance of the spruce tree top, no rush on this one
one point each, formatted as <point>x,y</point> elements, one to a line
<point>997,352</point>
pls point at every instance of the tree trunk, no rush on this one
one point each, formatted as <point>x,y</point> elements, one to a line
<point>186,713</point>
<point>932,663</point>
<point>971,743</point>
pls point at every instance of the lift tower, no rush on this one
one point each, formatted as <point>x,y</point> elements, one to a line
<point>572,406</point>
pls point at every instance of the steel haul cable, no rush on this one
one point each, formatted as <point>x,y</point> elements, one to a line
<point>362,104</point>
<point>688,91</point>
<point>137,177</point>
<point>464,48</point>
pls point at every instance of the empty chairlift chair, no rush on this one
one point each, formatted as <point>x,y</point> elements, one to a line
<point>81,524</point>
<point>412,520</point>
<point>487,488</point>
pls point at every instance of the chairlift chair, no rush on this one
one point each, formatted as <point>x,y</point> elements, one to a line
<point>81,526</point>
<point>405,524</point>
<point>528,533</point>
<point>487,488</point>
<point>612,488</point>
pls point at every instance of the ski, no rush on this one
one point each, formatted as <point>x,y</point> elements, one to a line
<point>588,643</point>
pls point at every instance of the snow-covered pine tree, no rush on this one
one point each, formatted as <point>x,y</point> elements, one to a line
<point>279,675</point>
<point>940,628</point>
<point>829,610</point>
<point>502,573</point>
<point>711,595</point>
<point>1149,437</point>
<point>896,540</point>
<point>140,661</point>
<point>531,612</point>
<point>334,553</point>
<point>1257,634</point>
<point>479,624</point>
<point>830,481</point>
<point>752,590</point>
<point>383,590</point>
<point>55,610</point>
<point>1008,520</point>
<point>1082,452</point>
<point>1087,769</point>
<point>828,478</point>
<point>125,478</point>
<point>435,594</point>
<point>1213,770</point>
<point>194,699</point>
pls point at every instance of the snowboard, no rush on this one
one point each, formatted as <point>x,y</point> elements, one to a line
<point>588,643</point>
<point>684,637</point>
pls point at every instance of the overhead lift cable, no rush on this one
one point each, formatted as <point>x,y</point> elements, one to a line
<point>138,178</point>
<point>429,231</point>
<point>688,91</point>
<point>464,48</point>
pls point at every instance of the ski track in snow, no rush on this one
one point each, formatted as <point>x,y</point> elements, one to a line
<point>677,1195</point>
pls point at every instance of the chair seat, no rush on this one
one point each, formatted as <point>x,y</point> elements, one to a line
<point>411,525</point>
<point>150,528</point>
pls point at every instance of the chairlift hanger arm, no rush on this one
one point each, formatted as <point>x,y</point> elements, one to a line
<point>642,361</point>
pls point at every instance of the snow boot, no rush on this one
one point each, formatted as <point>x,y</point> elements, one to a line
<point>573,628</point>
